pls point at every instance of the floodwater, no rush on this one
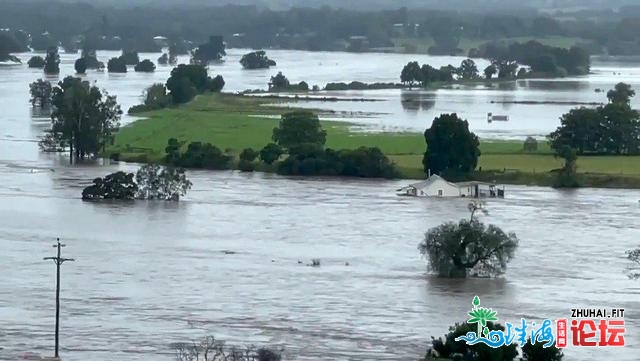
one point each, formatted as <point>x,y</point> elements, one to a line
<point>224,261</point>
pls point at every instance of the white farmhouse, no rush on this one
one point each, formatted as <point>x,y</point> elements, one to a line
<point>436,186</point>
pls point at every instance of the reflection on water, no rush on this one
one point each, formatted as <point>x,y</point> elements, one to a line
<point>415,102</point>
<point>224,261</point>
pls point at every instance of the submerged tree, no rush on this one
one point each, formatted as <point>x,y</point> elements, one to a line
<point>210,349</point>
<point>454,249</point>
<point>118,185</point>
<point>163,183</point>
<point>634,257</point>
<point>52,61</point>
<point>83,117</point>
<point>256,60</point>
<point>36,62</point>
<point>212,50</point>
<point>40,93</point>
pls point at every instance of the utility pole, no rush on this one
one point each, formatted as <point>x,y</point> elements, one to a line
<point>58,260</point>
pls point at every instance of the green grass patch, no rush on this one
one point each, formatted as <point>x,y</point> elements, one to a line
<point>233,123</point>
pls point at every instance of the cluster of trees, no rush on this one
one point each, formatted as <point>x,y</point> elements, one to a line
<point>210,349</point>
<point>151,182</point>
<point>212,50</point>
<point>83,118</point>
<point>610,129</point>
<point>302,137</point>
<point>184,83</point>
<point>256,60</point>
<point>279,82</point>
<point>299,136</point>
<point>87,60</point>
<point>542,59</point>
<point>119,64</point>
<point>413,73</point>
<point>357,85</point>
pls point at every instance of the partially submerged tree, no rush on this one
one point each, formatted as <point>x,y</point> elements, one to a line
<point>118,185</point>
<point>490,71</point>
<point>40,93</point>
<point>567,176</point>
<point>83,117</point>
<point>455,249</point>
<point>210,349</point>
<point>145,66</point>
<point>256,60</point>
<point>36,62</point>
<point>52,61</point>
<point>164,183</point>
<point>213,50</point>
<point>468,70</point>
<point>634,257</point>
<point>80,65</point>
<point>116,65</point>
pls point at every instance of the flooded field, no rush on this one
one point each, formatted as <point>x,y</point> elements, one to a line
<point>225,260</point>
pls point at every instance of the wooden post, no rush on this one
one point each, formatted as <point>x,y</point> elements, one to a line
<point>58,260</point>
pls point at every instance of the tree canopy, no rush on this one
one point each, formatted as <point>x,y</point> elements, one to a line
<point>300,127</point>
<point>186,81</point>
<point>451,147</point>
<point>146,66</point>
<point>116,65</point>
<point>36,62</point>
<point>256,60</point>
<point>41,91</point>
<point>212,50</point>
<point>52,61</point>
<point>83,117</point>
<point>610,129</point>
<point>455,249</point>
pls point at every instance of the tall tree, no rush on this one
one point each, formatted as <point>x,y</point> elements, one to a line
<point>451,147</point>
<point>298,128</point>
<point>52,61</point>
<point>580,129</point>
<point>83,117</point>
<point>621,94</point>
<point>468,70</point>
<point>212,50</point>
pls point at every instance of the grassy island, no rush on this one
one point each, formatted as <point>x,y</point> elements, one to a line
<point>234,122</point>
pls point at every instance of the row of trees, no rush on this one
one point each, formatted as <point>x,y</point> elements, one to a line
<point>610,129</point>
<point>542,59</point>
<point>184,83</point>
<point>413,73</point>
<point>299,136</point>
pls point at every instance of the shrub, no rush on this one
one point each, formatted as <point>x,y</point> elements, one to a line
<point>145,66</point>
<point>36,62</point>
<point>204,155</point>
<point>116,65</point>
<point>270,153</point>
<point>216,84</point>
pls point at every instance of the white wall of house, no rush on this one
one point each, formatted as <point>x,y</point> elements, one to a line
<point>442,188</point>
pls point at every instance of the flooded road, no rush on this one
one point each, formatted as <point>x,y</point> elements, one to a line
<point>225,260</point>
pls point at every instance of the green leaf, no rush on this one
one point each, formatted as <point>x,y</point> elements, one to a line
<point>475,313</point>
<point>476,301</point>
<point>473,320</point>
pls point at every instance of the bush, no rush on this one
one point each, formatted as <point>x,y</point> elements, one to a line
<point>216,84</point>
<point>448,347</point>
<point>271,153</point>
<point>145,66</point>
<point>116,65</point>
<point>530,145</point>
<point>80,66</point>
<point>204,155</point>
<point>36,62</point>
<point>248,154</point>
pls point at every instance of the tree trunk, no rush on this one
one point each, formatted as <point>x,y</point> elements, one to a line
<point>71,151</point>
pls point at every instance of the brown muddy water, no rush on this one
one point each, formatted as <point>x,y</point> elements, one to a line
<point>225,260</point>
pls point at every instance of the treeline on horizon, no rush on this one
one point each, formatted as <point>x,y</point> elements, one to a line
<point>322,28</point>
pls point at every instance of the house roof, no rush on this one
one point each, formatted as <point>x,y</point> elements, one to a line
<point>427,182</point>
<point>472,183</point>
